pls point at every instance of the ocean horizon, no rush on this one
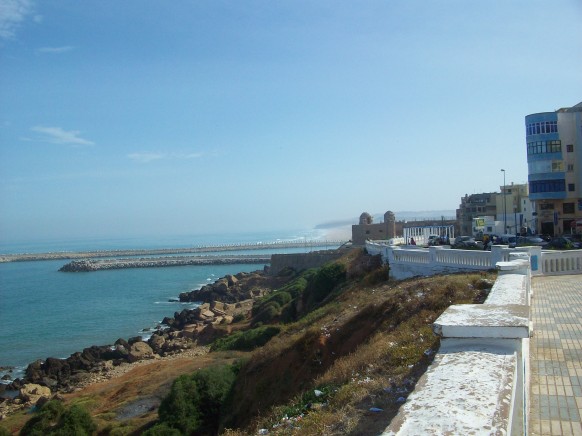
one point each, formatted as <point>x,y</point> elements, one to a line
<point>46,313</point>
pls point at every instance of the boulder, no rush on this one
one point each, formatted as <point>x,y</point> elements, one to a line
<point>140,351</point>
<point>30,393</point>
<point>221,286</point>
<point>123,342</point>
<point>232,280</point>
<point>34,372</point>
<point>157,343</point>
<point>207,314</point>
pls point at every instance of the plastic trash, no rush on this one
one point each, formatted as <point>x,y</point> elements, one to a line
<point>318,393</point>
<point>376,409</point>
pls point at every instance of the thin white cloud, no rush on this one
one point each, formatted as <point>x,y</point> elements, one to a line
<point>55,50</point>
<point>190,156</point>
<point>147,157</point>
<point>56,135</point>
<point>12,14</point>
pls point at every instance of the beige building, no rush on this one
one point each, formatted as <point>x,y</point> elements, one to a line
<point>475,206</point>
<point>514,209</point>
<point>367,229</point>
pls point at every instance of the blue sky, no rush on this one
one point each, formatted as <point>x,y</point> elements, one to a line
<point>161,118</point>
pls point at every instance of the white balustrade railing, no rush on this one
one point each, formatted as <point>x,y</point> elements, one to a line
<point>562,262</point>
<point>477,259</point>
<point>408,260</point>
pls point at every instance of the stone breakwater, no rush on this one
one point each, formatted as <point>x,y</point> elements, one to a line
<point>150,262</point>
<point>26,257</point>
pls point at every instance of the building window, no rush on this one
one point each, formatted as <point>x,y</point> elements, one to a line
<point>540,147</point>
<point>570,148</point>
<point>542,128</point>
<point>568,207</point>
<point>570,168</point>
<point>541,186</point>
<point>571,187</point>
<point>547,206</point>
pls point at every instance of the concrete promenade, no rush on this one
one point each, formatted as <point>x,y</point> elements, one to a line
<point>556,356</point>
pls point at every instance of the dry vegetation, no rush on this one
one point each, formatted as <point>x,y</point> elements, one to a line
<point>364,351</point>
<point>343,367</point>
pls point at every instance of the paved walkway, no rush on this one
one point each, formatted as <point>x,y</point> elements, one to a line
<point>556,356</point>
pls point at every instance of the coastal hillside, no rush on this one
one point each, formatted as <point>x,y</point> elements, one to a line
<point>334,350</point>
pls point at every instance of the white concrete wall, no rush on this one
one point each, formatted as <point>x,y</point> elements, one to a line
<point>478,382</point>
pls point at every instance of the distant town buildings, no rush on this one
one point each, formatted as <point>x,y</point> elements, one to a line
<point>550,203</point>
<point>390,228</point>
<point>554,163</point>
<point>475,206</point>
<point>508,211</point>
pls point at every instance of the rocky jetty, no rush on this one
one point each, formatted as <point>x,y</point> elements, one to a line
<point>87,265</point>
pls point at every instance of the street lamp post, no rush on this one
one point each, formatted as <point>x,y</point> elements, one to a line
<point>515,218</point>
<point>504,205</point>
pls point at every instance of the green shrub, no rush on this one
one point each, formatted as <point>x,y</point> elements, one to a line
<point>280,297</point>
<point>296,287</point>
<point>238,317</point>
<point>180,408</point>
<point>75,421</point>
<point>267,315</point>
<point>247,340</point>
<point>277,299</point>
<point>162,430</point>
<point>325,279</point>
<point>53,418</point>
<point>4,432</point>
<point>288,313</point>
<point>194,403</point>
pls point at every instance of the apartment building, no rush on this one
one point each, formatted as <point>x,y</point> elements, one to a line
<point>514,209</point>
<point>475,206</point>
<point>554,163</point>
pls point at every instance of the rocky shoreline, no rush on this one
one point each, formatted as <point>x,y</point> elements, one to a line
<point>186,333</point>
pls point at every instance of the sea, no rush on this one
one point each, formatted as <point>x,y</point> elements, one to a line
<point>47,313</point>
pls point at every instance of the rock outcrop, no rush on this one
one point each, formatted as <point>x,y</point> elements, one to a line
<point>235,288</point>
<point>139,351</point>
<point>31,393</point>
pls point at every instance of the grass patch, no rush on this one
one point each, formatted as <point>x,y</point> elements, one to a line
<point>246,340</point>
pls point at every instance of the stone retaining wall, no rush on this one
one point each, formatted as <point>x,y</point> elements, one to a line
<point>303,261</point>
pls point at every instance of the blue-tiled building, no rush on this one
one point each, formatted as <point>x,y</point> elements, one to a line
<point>554,161</point>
